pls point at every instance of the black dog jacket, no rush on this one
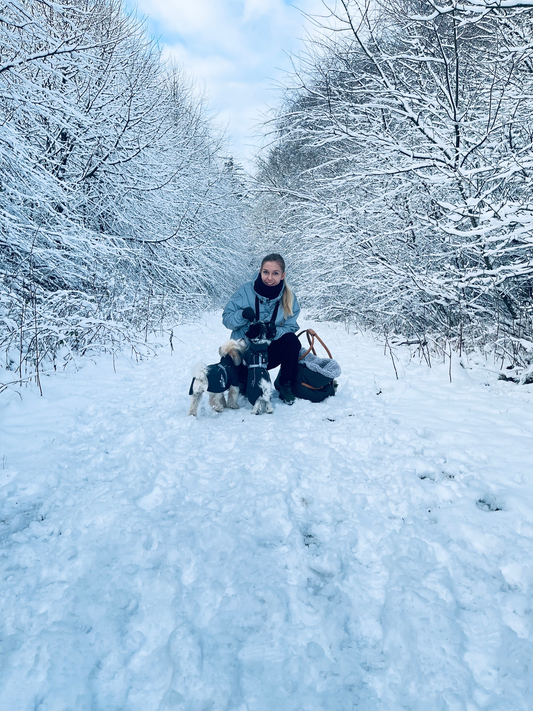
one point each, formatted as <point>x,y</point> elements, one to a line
<point>256,357</point>
<point>256,360</point>
<point>220,376</point>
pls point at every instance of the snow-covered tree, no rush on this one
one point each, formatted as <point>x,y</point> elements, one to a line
<point>405,152</point>
<point>117,207</point>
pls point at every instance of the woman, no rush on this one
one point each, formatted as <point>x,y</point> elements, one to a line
<point>269,298</point>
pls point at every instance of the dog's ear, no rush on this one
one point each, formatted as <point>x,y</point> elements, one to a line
<point>235,356</point>
<point>226,348</point>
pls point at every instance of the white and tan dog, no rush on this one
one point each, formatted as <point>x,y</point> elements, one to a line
<point>218,379</point>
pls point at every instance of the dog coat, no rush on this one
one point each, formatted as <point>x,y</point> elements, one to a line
<point>220,376</point>
<point>256,360</point>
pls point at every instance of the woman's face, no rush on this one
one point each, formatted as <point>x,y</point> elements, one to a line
<point>271,273</point>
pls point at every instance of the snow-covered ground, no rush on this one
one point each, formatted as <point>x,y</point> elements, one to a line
<point>372,552</point>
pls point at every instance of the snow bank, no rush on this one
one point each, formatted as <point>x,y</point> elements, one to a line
<point>371,552</point>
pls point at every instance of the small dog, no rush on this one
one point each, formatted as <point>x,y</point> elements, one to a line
<point>218,378</point>
<point>258,387</point>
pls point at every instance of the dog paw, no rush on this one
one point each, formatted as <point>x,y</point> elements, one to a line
<point>217,401</point>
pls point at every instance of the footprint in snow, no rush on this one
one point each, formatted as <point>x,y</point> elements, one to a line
<point>309,539</point>
<point>488,504</point>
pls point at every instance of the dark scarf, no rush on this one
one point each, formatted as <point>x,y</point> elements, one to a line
<point>268,292</point>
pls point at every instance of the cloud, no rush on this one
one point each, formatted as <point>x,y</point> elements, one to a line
<point>235,49</point>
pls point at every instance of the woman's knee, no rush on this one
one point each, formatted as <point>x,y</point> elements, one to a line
<point>290,340</point>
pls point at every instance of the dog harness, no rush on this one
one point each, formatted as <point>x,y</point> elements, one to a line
<point>256,360</point>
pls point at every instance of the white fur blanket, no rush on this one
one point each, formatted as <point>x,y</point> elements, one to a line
<point>325,366</point>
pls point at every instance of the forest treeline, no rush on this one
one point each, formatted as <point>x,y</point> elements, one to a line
<point>118,209</point>
<point>398,172</point>
<point>396,180</point>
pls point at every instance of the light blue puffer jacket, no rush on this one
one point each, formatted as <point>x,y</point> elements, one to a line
<point>245,296</point>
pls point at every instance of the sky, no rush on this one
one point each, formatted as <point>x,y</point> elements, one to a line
<point>236,50</point>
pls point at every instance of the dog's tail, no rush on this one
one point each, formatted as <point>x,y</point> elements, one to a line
<point>198,369</point>
<point>199,379</point>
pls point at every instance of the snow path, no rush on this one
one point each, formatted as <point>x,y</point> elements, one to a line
<point>372,552</point>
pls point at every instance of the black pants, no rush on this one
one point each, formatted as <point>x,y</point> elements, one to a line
<point>284,352</point>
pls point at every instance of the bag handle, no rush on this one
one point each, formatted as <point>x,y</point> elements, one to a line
<point>311,335</point>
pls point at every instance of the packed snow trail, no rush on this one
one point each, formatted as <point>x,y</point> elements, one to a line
<point>372,552</point>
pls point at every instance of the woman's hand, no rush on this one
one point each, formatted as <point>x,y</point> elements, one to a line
<point>248,313</point>
<point>271,331</point>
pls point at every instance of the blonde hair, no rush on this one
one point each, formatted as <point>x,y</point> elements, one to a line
<point>287,300</point>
